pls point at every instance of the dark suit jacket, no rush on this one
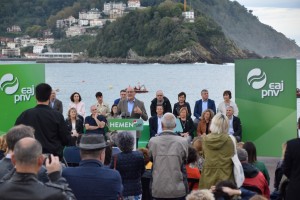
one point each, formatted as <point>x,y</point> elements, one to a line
<point>78,125</point>
<point>237,128</point>
<point>153,126</point>
<point>91,180</point>
<point>166,105</point>
<point>57,106</point>
<point>291,168</point>
<point>123,111</point>
<point>198,107</point>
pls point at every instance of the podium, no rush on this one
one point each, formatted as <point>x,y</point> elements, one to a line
<point>128,125</point>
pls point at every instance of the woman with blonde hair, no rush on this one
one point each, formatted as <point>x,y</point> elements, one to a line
<point>74,123</point>
<point>205,121</point>
<point>218,148</point>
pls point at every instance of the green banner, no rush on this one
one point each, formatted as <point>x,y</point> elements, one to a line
<point>265,95</point>
<point>17,83</point>
<point>125,124</point>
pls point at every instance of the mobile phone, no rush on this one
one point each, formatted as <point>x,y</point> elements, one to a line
<point>47,156</point>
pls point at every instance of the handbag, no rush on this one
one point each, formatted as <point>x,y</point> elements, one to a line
<point>238,171</point>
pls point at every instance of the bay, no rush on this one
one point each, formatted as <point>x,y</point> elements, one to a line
<point>87,79</point>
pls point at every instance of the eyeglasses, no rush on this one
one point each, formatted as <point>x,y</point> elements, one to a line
<point>159,95</point>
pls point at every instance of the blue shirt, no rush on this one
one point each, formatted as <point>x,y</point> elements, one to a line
<point>204,106</point>
<point>130,105</point>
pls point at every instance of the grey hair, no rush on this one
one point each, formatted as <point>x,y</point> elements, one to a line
<point>125,141</point>
<point>230,107</point>
<point>16,133</point>
<point>204,90</point>
<point>168,121</point>
<point>219,124</point>
<point>27,151</point>
<point>204,194</point>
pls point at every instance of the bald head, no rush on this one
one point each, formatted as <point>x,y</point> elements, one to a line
<point>159,95</point>
<point>27,151</point>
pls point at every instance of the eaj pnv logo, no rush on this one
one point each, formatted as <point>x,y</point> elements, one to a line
<point>257,79</point>
<point>9,84</point>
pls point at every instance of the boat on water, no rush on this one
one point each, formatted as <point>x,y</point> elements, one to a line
<point>298,93</point>
<point>140,89</point>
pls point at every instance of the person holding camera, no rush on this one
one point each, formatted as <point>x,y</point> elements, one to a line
<point>28,159</point>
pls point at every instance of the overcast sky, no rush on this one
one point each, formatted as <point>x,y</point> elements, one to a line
<point>282,15</point>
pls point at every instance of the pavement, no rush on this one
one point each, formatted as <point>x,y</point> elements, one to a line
<point>271,163</point>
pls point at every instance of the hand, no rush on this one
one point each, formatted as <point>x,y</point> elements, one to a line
<point>54,165</point>
<point>137,110</point>
<point>74,133</point>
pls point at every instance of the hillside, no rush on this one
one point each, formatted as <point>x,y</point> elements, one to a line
<point>246,30</point>
<point>160,31</point>
<point>222,28</point>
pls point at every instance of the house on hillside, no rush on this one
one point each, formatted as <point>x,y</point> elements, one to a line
<point>114,10</point>
<point>13,29</point>
<point>189,16</point>
<point>134,3</point>
<point>11,52</point>
<point>74,31</point>
<point>94,13</point>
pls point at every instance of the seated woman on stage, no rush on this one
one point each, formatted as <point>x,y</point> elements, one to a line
<point>227,102</point>
<point>74,123</point>
<point>203,126</point>
<point>187,124</point>
<point>181,103</point>
<point>113,112</point>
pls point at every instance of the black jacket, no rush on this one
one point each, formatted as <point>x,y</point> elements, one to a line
<point>50,128</point>
<point>237,128</point>
<point>166,105</point>
<point>27,186</point>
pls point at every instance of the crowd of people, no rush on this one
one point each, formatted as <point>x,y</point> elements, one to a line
<point>195,163</point>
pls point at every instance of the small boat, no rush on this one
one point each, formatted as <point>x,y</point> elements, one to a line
<point>298,93</point>
<point>140,89</point>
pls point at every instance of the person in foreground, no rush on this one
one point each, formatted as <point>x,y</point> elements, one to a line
<point>49,125</point>
<point>218,149</point>
<point>28,159</point>
<point>91,180</point>
<point>168,153</point>
<point>291,168</point>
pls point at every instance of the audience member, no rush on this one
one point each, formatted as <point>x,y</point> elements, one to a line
<point>146,177</point>
<point>50,127</point>
<point>160,100</point>
<point>278,178</point>
<point>226,190</point>
<point>12,137</point>
<point>76,102</point>
<point>55,103</point>
<point>205,121</point>
<point>187,124</point>
<point>227,102</point>
<point>235,125</point>
<point>291,168</point>
<point>131,166</point>
<point>102,107</point>
<point>27,159</point>
<point>254,179</point>
<point>203,104</point>
<point>200,195</point>
<point>74,123</point>
<point>181,103</point>
<point>197,144</point>
<point>132,108</point>
<point>122,97</point>
<point>91,180</point>
<point>252,159</point>
<point>95,123</point>
<point>218,149</point>
<point>155,126</point>
<point>192,169</point>
<point>168,153</point>
<point>3,146</point>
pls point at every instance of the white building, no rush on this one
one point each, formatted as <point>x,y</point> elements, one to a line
<point>189,15</point>
<point>62,23</point>
<point>83,22</point>
<point>74,31</point>
<point>49,55</point>
<point>134,4</point>
<point>11,45</point>
<point>13,29</point>
<point>96,22</point>
<point>114,9</point>
<point>11,52</point>
<point>38,49</point>
<point>94,13</point>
